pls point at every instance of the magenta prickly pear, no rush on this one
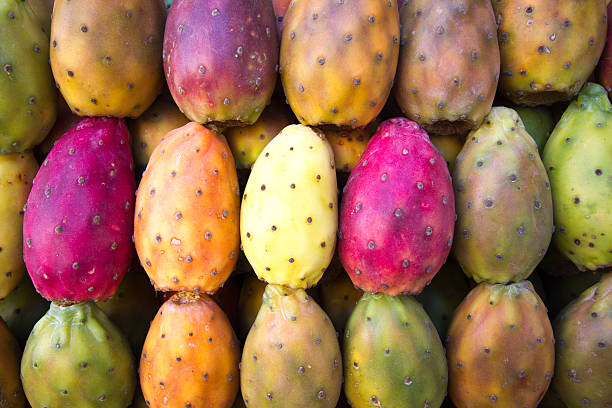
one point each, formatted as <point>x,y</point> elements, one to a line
<point>398,212</point>
<point>79,215</point>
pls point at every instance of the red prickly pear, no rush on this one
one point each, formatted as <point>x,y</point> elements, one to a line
<point>397,244</point>
<point>79,215</point>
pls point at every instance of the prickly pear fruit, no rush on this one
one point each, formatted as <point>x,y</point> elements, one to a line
<point>17,171</point>
<point>449,64</point>
<point>584,348</point>
<point>577,157</point>
<point>393,356</point>
<point>148,130</point>
<point>348,146</point>
<point>79,215</point>
<point>249,304</point>
<point>94,360</point>
<point>247,142</point>
<point>289,215</point>
<point>291,357</point>
<point>11,392</point>
<point>280,9</point>
<point>548,48</point>
<point>414,222</point>
<point>449,146</point>
<point>538,123</point>
<point>189,242</point>
<point>504,208</point>
<point>562,290</point>
<point>500,347</point>
<point>66,119</point>
<point>338,59</point>
<point>22,309</point>
<point>604,67</point>
<point>28,99</point>
<point>191,355</point>
<point>338,298</point>
<point>220,59</point>
<point>42,9</point>
<point>105,55</point>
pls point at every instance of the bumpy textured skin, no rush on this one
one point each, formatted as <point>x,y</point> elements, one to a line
<point>191,241</point>
<point>577,157</point>
<point>338,59</point>
<point>75,357</point>
<point>538,123</point>
<point>583,350</point>
<point>11,392</point>
<point>249,304</point>
<point>191,355</point>
<point>338,298</point>
<point>220,59</point>
<point>449,64</point>
<point>148,130</point>
<point>66,119</point>
<point>348,146</point>
<point>393,356</point>
<point>442,296</point>
<point>22,309</point>
<point>28,104</point>
<point>247,142</point>
<point>561,291</point>
<point>79,216</point>
<point>289,213</point>
<point>398,212</point>
<point>500,348</point>
<point>548,47</point>
<point>291,357</point>
<point>604,67</point>
<point>105,55</point>
<point>17,171</point>
<point>43,9</point>
<point>504,209</point>
<point>449,146</point>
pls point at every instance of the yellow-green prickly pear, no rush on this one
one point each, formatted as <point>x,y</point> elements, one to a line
<point>289,214</point>
<point>43,9</point>
<point>11,392</point>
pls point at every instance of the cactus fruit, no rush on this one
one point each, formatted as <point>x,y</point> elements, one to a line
<point>17,171</point>
<point>105,55</point>
<point>191,355</point>
<point>577,157</point>
<point>604,67</point>
<point>289,214</point>
<point>562,290</point>
<point>449,146</point>
<point>548,48</point>
<point>28,99</point>
<point>11,392</point>
<point>500,348</point>
<point>220,59</point>
<point>79,215</point>
<point>148,130</point>
<point>42,9</point>
<point>393,356</point>
<point>338,59</point>
<point>291,357</point>
<point>584,348</point>
<point>247,142</point>
<point>449,64</point>
<point>280,9</point>
<point>348,146</point>
<point>75,357</point>
<point>338,298</point>
<point>249,304</point>
<point>402,186</point>
<point>538,123</point>
<point>191,241</point>
<point>504,209</point>
<point>66,119</point>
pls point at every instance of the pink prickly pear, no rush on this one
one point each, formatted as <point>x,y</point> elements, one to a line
<point>79,215</point>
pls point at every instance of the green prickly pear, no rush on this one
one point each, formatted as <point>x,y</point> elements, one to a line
<point>577,157</point>
<point>538,123</point>
<point>291,357</point>
<point>11,392</point>
<point>43,9</point>
<point>393,356</point>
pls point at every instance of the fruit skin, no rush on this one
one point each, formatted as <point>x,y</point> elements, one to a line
<point>393,356</point>
<point>289,213</point>
<point>415,220</point>
<point>191,355</point>
<point>42,9</point>
<point>348,146</point>
<point>584,356</point>
<point>280,9</point>
<point>66,120</point>
<point>500,347</point>
<point>148,130</point>
<point>604,67</point>
<point>247,142</point>
<point>538,123</point>
<point>17,171</point>
<point>338,298</point>
<point>11,392</point>
<point>548,48</point>
<point>28,106</point>
<point>189,242</point>
<point>105,55</point>
<point>577,157</point>
<point>249,304</point>
<point>93,357</point>
<point>449,64</point>
<point>338,68</point>
<point>504,209</point>
<point>220,59</point>
<point>79,215</point>
<point>449,146</point>
<point>291,357</point>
